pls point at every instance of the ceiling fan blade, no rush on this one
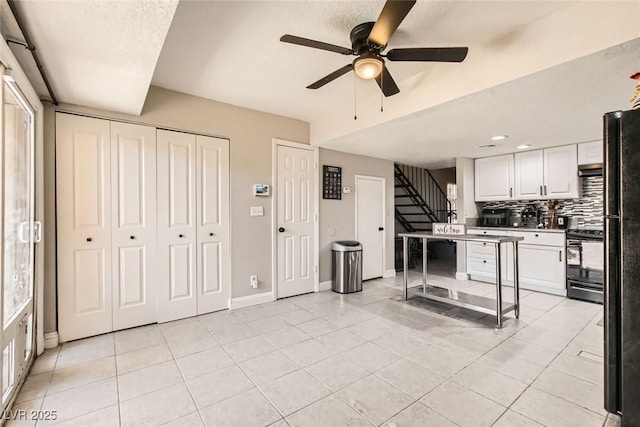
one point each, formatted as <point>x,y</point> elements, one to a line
<point>435,54</point>
<point>386,83</point>
<point>331,77</point>
<point>288,38</point>
<point>393,13</point>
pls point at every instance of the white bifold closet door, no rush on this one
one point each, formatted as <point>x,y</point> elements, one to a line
<point>193,224</point>
<point>106,201</point>
<point>133,224</point>
<point>84,226</point>
<point>212,201</point>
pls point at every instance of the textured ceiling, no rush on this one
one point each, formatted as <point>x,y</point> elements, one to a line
<point>230,51</point>
<point>100,54</point>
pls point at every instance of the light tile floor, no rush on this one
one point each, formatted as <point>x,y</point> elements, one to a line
<point>335,360</point>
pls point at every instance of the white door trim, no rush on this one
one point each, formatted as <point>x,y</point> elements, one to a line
<point>274,212</point>
<point>384,217</point>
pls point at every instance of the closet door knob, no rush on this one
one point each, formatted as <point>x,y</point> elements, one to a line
<point>132,237</point>
<point>181,235</point>
<point>89,239</point>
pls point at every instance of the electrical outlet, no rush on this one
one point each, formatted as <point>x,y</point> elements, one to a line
<point>254,281</point>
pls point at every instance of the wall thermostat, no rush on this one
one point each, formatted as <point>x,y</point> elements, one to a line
<point>261,190</point>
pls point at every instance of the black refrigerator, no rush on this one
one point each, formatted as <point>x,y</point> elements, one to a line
<point>622,264</point>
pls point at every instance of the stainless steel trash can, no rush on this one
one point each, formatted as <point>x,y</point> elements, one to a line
<point>346,268</point>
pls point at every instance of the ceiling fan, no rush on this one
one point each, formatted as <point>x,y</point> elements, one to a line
<point>368,41</point>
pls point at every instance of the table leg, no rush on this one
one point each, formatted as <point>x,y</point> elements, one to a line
<point>424,265</point>
<point>405,265</point>
<point>499,286</point>
<point>516,279</point>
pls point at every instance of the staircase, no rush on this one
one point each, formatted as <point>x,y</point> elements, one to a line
<point>419,200</point>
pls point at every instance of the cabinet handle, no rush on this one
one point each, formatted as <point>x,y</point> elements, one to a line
<point>132,237</point>
<point>211,234</point>
<point>541,193</point>
<point>560,256</point>
<point>181,235</point>
<point>545,190</point>
<point>536,235</point>
<point>89,239</point>
<point>484,244</point>
<point>511,192</point>
<point>485,261</point>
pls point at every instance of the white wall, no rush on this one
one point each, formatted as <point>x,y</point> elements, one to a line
<point>467,211</point>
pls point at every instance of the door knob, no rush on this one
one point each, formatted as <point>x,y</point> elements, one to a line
<point>132,237</point>
<point>281,229</point>
<point>181,235</point>
<point>89,239</point>
<point>380,228</point>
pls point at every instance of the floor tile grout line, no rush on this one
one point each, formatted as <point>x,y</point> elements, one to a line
<point>538,376</point>
<point>365,307</point>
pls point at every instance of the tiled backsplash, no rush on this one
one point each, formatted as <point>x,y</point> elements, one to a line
<point>590,206</point>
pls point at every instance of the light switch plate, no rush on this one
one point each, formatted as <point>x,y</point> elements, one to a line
<point>257,211</point>
<point>346,190</point>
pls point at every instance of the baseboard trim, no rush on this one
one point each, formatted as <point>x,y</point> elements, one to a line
<point>324,286</point>
<point>389,273</point>
<point>51,340</point>
<point>249,300</point>
<point>461,276</point>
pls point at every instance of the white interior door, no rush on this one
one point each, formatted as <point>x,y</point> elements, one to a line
<point>133,185</point>
<point>295,220</point>
<point>213,257</point>
<point>176,173</point>
<point>84,226</point>
<point>370,224</point>
<point>17,249</point>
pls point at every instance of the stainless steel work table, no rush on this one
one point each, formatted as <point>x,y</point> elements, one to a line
<point>462,299</point>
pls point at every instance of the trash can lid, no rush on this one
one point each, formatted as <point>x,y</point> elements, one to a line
<point>346,246</point>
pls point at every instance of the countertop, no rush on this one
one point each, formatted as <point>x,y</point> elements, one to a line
<point>537,230</point>
<point>464,237</point>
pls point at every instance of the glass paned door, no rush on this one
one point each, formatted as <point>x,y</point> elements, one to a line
<point>18,238</point>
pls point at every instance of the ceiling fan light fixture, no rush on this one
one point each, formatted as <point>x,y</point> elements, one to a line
<point>368,66</point>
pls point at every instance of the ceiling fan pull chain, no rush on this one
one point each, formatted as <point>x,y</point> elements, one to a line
<point>355,97</point>
<point>382,88</point>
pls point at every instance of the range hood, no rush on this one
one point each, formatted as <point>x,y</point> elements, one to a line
<point>592,169</point>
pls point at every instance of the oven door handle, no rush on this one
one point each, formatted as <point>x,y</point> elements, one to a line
<point>595,291</point>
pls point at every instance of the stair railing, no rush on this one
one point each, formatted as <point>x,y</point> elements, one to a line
<point>430,192</point>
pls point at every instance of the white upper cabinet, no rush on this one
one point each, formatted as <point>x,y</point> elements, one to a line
<point>494,178</point>
<point>529,175</point>
<point>590,152</point>
<point>561,172</point>
<point>551,173</point>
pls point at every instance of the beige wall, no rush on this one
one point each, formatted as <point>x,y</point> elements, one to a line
<point>338,217</point>
<point>250,132</point>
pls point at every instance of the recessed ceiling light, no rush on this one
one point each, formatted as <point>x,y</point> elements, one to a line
<point>523,146</point>
<point>487,146</point>
<point>499,137</point>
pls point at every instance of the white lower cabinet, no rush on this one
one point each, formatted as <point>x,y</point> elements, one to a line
<point>143,225</point>
<point>541,256</point>
<point>542,268</point>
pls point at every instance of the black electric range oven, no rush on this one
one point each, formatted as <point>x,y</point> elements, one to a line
<point>585,271</point>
